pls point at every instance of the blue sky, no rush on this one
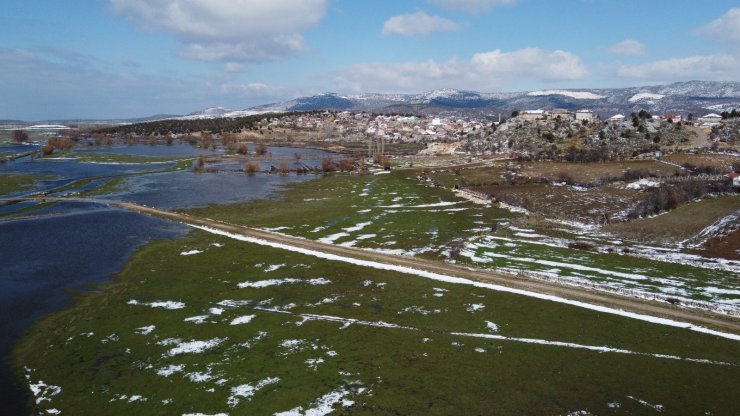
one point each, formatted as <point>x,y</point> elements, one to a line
<point>131,58</point>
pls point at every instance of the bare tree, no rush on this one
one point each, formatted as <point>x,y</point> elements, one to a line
<point>20,136</point>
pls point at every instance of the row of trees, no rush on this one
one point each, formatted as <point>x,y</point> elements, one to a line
<point>213,125</point>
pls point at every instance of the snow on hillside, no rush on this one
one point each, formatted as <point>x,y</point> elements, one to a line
<point>579,95</point>
<point>219,112</point>
<point>645,96</point>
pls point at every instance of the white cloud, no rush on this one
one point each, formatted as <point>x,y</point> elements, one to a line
<point>533,63</point>
<point>418,23</point>
<point>727,27</point>
<point>228,30</point>
<point>41,85</point>
<point>483,71</point>
<point>627,47</point>
<point>253,90</point>
<point>707,67</point>
<point>409,76</point>
<point>472,6</point>
<point>234,67</point>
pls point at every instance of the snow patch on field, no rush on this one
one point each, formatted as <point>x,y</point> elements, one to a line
<point>601,349</point>
<point>642,183</point>
<point>475,307</point>
<point>168,304</point>
<point>235,303</point>
<point>329,239</point>
<point>313,363</point>
<point>658,407</point>
<point>274,267</point>
<point>190,347</point>
<point>325,301</point>
<point>459,280</point>
<point>357,227</point>
<point>191,252</point>
<point>278,282</point>
<point>200,319</point>
<point>246,391</point>
<point>203,414</point>
<point>242,320</point>
<point>170,370</point>
<point>491,326</point>
<point>42,392</point>
<point>323,405</point>
<point>723,226</point>
<point>145,330</point>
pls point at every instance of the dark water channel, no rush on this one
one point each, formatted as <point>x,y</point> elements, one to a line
<point>80,245</point>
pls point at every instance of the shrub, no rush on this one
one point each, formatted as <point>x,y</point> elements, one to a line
<point>283,168</point>
<point>251,168</point>
<point>327,165</point>
<point>346,165</point>
<point>580,245</point>
<point>200,164</point>
<point>634,174</point>
<point>261,149</point>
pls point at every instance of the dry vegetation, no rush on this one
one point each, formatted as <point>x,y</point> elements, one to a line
<point>682,223</point>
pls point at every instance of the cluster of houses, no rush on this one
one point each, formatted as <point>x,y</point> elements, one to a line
<point>400,128</point>
<point>556,114</point>
<point>392,128</point>
<point>708,120</point>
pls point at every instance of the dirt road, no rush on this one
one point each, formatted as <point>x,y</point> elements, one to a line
<point>652,308</point>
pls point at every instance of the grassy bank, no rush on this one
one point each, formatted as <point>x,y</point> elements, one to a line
<point>211,325</point>
<point>16,182</point>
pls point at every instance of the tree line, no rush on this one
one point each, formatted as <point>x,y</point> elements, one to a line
<point>213,125</point>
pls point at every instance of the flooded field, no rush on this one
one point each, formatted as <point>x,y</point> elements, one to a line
<point>74,246</point>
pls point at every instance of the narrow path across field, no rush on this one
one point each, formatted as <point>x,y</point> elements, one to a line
<point>581,297</point>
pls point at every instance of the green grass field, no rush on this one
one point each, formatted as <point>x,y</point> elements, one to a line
<point>89,157</point>
<point>399,214</point>
<point>356,341</point>
<point>16,182</point>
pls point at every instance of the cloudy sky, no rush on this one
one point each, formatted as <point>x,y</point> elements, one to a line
<point>131,58</point>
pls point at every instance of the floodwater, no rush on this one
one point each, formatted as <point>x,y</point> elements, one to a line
<point>79,245</point>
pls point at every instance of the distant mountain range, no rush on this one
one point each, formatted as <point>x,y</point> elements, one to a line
<point>697,97</point>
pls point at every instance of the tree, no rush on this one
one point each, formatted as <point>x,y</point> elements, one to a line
<point>514,114</point>
<point>20,136</point>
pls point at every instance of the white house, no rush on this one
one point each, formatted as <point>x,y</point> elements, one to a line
<point>672,117</point>
<point>616,117</point>
<point>584,115</point>
<point>532,115</point>
<point>710,119</point>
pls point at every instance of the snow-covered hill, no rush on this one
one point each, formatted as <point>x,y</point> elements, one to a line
<point>697,97</point>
